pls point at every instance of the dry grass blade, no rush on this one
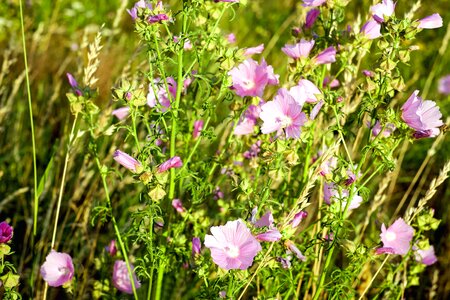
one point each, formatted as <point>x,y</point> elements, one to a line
<point>89,78</point>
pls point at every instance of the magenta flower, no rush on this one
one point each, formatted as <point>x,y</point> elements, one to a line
<point>298,50</point>
<point>254,50</point>
<point>111,248</point>
<point>371,29</point>
<point>283,113</point>
<point>6,232</point>
<point>158,18</point>
<point>376,129</point>
<point>331,83</point>
<point>298,217</point>
<point>311,17</point>
<point>271,235</point>
<point>121,113</point>
<point>444,85</point>
<point>232,246</point>
<point>381,10</point>
<point>426,256</point>
<point>74,84</point>
<point>249,78</point>
<point>198,126</point>
<point>397,237</point>
<point>327,56</point>
<point>422,116</point>
<point>330,192</point>
<point>368,73</point>
<point>174,162</point>
<point>57,268</point>
<point>178,205</point>
<point>313,3</point>
<point>196,246</point>
<point>126,160</point>
<point>121,277</point>
<point>430,22</point>
<point>134,10</point>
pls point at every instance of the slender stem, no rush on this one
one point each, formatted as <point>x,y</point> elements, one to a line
<point>324,273</point>
<point>159,280</point>
<point>30,108</point>
<point>373,278</point>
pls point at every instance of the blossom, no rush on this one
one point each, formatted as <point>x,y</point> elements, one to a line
<point>198,126</point>
<point>298,217</point>
<point>253,151</point>
<point>272,78</point>
<point>121,113</point>
<point>444,85</point>
<point>178,205</point>
<point>265,221</point>
<point>313,2</point>
<point>283,113</point>
<point>196,246</point>
<point>298,50</point>
<point>292,248</point>
<point>371,29</point>
<point>285,262</point>
<point>249,78</point>
<point>271,235</point>
<point>173,162</point>
<point>305,91</point>
<point>121,277</point>
<point>57,268</point>
<point>160,95</point>
<point>254,50</point>
<point>249,120</point>
<point>327,56</point>
<point>368,73</point>
<point>422,116</point>
<point>328,166</point>
<point>426,256</point>
<point>231,38</point>
<point>111,248</point>
<point>397,237</point>
<point>376,129</point>
<point>134,10</point>
<point>232,245</point>
<point>430,22</point>
<point>330,192</point>
<point>382,10</point>
<point>126,160</point>
<point>316,109</point>
<point>332,83</point>
<point>6,232</point>
<point>157,18</point>
<point>311,17</point>
<point>74,84</point>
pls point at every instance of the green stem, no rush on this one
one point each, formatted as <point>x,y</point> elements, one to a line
<point>159,280</point>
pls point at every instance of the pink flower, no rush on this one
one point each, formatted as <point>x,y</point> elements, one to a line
<point>178,205</point>
<point>330,192</point>
<point>430,22</point>
<point>134,10</point>
<point>371,29</point>
<point>232,245</point>
<point>283,113</point>
<point>381,10</point>
<point>57,268</point>
<point>272,78</point>
<point>253,151</point>
<point>292,248</point>
<point>158,18</point>
<point>265,221</point>
<point>249,78</point>
<point>126,160</point>
<point>305,91</point>
<point>111,248</point>
<point>328,166</point>
<point>426,256</point>
<point>422,116</point>
<point>271,235</point>
<point>368,73</point>
<point>444,85</point>
<point>311,17</point>
<point>313,2</point>
<point>316,109</point>
<point>174,162</point>
<point>327,56</point>
<point>298,218</point>
<point>121,113</point>
<point>121,277</point>
<point>332,83</point>
<point>376,129</point>
<point>397,237</point>
<point>161,96</point>
<point>196,246</point>
<point>231,38</point>
<point>298,50</point>
<point>254,50</point>
<point>6,232</point>
<point>249,120</point>
<point>198,126</point>
<point>74,84</point>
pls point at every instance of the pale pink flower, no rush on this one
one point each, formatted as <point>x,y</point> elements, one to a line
<point>381,10</point>
<point>292,248</point>
<point>265,221</point>
<point>248,121</point>
<point>121,113</point>
<point>178,205</point>
<point>376,129</point>
<point>272,78</point>
<point>444,85</point>
<point>121,277</point>
<point>231,38</point>
<point>331,83</point>
<point>283,113</point>
<point>397,237</point>
<point>426,256</point>
<point>371,29</point>
<point>198,126</point>
<point>311,17</point>
<point>173,162</point>
<point>134,10</point>
<point>305,91</point>
<point>126,160</point>
<point>430,22</point>
<point>249,78</point>
<point>6,232</point>
<point>316,109</point>
<point>327,56</point>
<point>57,269</point>
<point>232,246</point>
<point>331,192</point>
<point>313,2</point>
<point>422,116</point>
<point>328,166</point>
<point>254,50</point>
<point>161,96</point>
<point>271,235</point>
<point>299,50</point>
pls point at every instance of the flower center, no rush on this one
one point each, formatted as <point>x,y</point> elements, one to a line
<point>232,251</point>
<point>284,121</point>
<point>390,236</point>
<point>249,84</point>
<point>63,270</point>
